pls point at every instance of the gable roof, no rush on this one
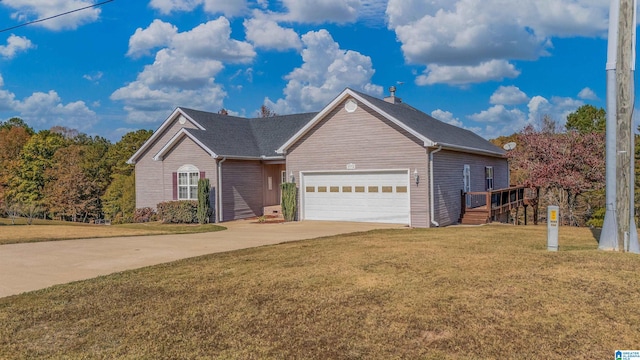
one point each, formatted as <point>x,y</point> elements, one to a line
<point>432,132</point>
<point>230,136</point>
<point>269,138</point>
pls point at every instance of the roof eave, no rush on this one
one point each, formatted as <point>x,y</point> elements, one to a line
<point>333,104</point>
<point>467,149</point>
<point>156,134</point>
<point>178,136</point>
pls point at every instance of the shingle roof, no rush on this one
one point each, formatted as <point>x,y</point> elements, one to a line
<point>433,129</point>
<point>231,136</point>
<point>241,137</point>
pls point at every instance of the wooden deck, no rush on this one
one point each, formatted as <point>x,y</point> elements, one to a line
<point>485,207</point>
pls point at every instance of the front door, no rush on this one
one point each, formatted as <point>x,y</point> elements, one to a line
<point>466,177</point>
<point>272,181</point>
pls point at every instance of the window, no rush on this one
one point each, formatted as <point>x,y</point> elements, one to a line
<point>488,175</point>
<point>283,176</point>
<point>188,176</point>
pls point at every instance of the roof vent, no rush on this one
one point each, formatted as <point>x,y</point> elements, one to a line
<point>393,99</point>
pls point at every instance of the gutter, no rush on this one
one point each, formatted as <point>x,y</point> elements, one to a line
<point>431,188</point>
<point>219,192</point>
<point>468,150</point>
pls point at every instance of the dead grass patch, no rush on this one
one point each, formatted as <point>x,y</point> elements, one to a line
<point>454,293</point>
<point>46,230</point>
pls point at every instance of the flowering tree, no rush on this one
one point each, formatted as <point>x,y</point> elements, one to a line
<point>565,165</point>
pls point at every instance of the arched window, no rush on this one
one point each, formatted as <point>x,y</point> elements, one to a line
<point>188,176</point>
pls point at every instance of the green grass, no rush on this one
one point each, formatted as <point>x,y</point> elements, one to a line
<point>453,293</point>
<point>48,230</point>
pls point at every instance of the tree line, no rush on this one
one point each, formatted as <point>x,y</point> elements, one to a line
<point>61,173</point>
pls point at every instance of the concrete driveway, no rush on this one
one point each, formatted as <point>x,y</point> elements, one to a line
<point>33,266</point>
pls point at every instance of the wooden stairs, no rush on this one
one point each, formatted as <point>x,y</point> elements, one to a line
<point>475,217</point>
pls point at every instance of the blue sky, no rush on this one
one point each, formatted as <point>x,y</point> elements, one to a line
<point>492,66</point>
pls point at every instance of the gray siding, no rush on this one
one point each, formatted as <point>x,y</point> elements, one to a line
<point>448,181</point>
<point>186,152</point>
<point>241,189</point>
<point>369,141</point>
<point>153,178</point>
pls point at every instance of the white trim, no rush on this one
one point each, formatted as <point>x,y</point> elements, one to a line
<point>189,170</point>
<point>432,200</point>
<point>301,176</point>
<point>333,104</point>
<point>156,134</point>
<point>178,136</point>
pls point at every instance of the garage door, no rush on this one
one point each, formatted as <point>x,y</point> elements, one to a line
<point>356,196</point>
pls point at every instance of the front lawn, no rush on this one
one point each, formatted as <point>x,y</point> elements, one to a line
<point>47,230</point>
<point>487,292</point>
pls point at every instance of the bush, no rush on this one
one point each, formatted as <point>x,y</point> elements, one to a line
<point>204,204</point>
<point>143,215</point>
<point>289,201</point>
<point>178,212</point>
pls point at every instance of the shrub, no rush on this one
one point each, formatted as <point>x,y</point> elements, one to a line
<point>181,212</point>
<point>204,204</point>
<point>144,215</point>
<point>289,192</point>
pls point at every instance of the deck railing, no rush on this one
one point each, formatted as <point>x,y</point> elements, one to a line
<point>497,202</point>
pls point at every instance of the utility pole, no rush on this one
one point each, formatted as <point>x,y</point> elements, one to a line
<point>624,125</point>
<point>609,235</point>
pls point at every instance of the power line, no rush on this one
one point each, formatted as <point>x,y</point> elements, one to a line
<point>55,16</point>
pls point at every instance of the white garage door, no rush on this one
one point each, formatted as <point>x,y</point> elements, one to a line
<point>356,196</point>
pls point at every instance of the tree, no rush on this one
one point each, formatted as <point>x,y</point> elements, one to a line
<point>17,122</point>
<point>204,203</point>
<point>265,112</point>
<point>121,151</point>
<point>35,159</point>
<point>565,165</point>
<point>119,200</point>
<point>69,192</point>
<point>12,140</point>
<point>587,119</point>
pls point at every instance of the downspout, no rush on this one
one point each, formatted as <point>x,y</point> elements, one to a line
<point>431,187</point>
<point>219,192</point>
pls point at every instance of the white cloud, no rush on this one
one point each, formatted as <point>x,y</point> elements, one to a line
<point>158,34</point>
<point>213,40</point>
<point>446,116</point>
<point>587,94</point>
<point>267,34</point>
<point>499,120</point>
<point>494,70</point>
<point>319,11</point>
<point>183,73</point>
<point>226,7</point>
<point>172,68</point>
<point>94,77</point>
<point>15,44</point>
<point>508,95</point>
<point>47,110</point>
<point>326,71</point>
<point>146,104</point>
<point>7,98</point>
<point>462,33</point>
<point>499,114</point>
<point>29,10</point>
<point>169,6</point>
<point>558,108</point>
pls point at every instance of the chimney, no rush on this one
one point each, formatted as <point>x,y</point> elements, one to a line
<point>393,99</point>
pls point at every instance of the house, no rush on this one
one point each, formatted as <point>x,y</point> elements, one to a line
<point>359,159</point>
